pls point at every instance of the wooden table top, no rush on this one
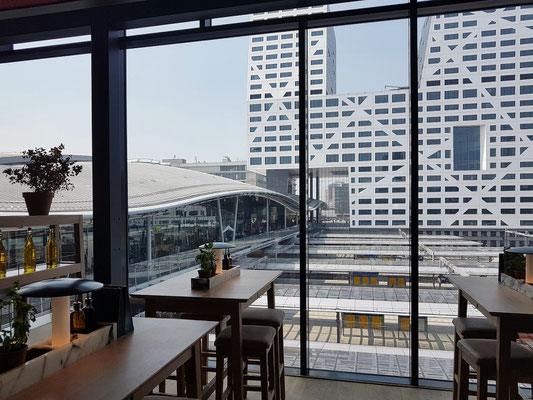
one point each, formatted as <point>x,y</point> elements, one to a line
<point>238,289</point>
<point>496,299</point>
<point>119,369</point>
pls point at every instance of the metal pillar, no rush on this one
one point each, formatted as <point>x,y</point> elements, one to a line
<point>317,191</point>
<point>268,215</point>
<point>413,227</point>
<point>235,219</point>
<point>302,154</point>
<point>220,219</point>
<point>110,180</point>
<point>311,192</point>
<point>149,240</point>
<point>110,174</point>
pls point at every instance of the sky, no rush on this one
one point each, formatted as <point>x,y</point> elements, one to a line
<point>187,100</point>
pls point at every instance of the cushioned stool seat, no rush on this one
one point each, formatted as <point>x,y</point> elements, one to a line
<point>255,339</point>
<point>261,316</point>
<point>274,318</point>
<point>482,352</point>
<point>479,328</point>
<point>257,343</point>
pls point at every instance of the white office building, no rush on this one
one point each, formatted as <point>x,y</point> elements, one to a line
<point>475,120</point>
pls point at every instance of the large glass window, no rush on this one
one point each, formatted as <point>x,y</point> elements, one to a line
<point>466,148</point>
<point>358,258</point>
<point>45,103</point>
<point>469,185</point>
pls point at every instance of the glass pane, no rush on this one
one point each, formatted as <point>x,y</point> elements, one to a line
<point>45,103</point>
<point>358,135</point>
<point>475,116</point>
<point>204,145</point>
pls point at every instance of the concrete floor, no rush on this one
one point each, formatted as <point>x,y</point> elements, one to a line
<point>310,389</point>
<point>324,389</point>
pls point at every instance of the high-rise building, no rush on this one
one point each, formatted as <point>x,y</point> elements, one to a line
<point>475,124</point>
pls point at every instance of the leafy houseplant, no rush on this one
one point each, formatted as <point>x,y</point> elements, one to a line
<point>515,265</point>
<point>45,173</point>
<point>13,339</point>
<point>206,258</point>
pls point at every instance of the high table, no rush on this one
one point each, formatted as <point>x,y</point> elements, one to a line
<point>228,298</point>
<point>130,367</point>
<point>510,311</point>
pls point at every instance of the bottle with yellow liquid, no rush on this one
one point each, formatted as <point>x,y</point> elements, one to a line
<point>3,259</point>
<point>30,255</point>
<point>52,251</point>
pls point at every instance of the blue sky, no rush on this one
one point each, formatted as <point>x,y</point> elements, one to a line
<point>185,100</point>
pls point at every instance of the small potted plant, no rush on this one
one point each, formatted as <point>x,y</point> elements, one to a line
<point>206,258</point>
<point>45,173</point>
<point>13,339</point>
<point>515,265</point>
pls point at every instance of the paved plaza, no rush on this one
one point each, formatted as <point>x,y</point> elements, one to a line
<point>370,351</point>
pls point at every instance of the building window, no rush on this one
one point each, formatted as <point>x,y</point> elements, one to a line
<point>466,148</point>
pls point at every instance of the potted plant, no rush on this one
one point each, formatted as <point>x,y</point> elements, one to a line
<point>13,339</point>
<point>206,258</point>
<point>515,265</point>
<point>45,173</point>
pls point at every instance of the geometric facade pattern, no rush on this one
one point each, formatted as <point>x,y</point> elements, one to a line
<point>475,120</point>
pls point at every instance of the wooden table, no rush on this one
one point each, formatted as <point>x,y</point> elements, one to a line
<point>130,367</point>
<point>510,311</point>
<point>228,298</point>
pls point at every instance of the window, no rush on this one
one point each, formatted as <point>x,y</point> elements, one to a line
<point>466,148</point>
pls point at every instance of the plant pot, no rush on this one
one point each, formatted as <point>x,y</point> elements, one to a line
<point>38,203</point>
<point>205,274</point>
<point>13,359</point>
<point>519,274</point>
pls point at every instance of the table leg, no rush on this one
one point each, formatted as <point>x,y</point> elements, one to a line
<point>461,312</point>
<point>236,352</point>
<point>271,296</point>
<point>193,371</point>
<point>503,358</point>
<point>149,309</point>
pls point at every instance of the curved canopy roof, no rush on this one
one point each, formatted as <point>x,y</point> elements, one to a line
<point>152,187</point>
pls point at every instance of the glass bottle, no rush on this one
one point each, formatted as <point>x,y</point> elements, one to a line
<point>225,261</point>
<point>230,260</point>
<point>30,256</point>
<point>52,251</point>
<point>3,259</point>
<point>77,319</point>
<point>89,313</point>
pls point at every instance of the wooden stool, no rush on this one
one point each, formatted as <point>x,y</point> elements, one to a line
<point>273,318</point>
<point>480,354</point>
<point>469,328</point>
<point>207,387</point>
<point>257,343</point>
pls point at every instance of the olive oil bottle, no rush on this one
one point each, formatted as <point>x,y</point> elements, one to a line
<point>30,255</point>
<point>3,259</point>
<point>77,319</point>
<point>52,250</point>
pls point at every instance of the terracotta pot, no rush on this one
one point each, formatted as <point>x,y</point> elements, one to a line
<point>38,203</point>
<point>13,359</point>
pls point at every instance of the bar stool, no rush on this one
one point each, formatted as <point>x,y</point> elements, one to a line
<point>206,352</point>
<point>257,343</point>
<point>469,328</point>
<point>480,354</point>
<point>474,328</point>
<point>273,318</point>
